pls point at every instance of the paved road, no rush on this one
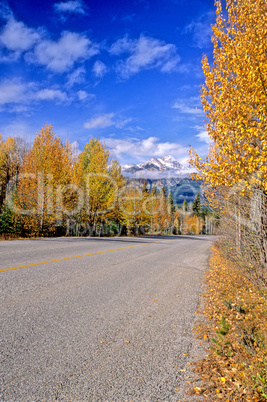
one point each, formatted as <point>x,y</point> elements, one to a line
<point>113,324</point>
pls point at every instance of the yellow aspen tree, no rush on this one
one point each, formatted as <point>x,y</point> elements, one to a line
<point>162,217</point>
<point>176,222</point>
<point>117,181</point>
<point>153,206</point>
<point>131,203</point>
<point>234,98</point>
<point>46,170</point>
<point>92,168</point>
<point>12,151</point>
<point>145,212</point>
<point>69,194</point>
<point>3,171</point>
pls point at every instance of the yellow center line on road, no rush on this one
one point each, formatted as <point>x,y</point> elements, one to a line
<point>79,256</point>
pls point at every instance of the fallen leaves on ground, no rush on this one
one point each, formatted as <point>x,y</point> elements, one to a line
<point>234,330</point>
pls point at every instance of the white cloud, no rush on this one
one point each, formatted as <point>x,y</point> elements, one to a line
<point>191,106</point>
<point>71,6</point>
<point>186,109</point>
<point>60,56</point>
<point>122,45</point>
<point>83,95</point>
<point>148,147</point>
<point>14,91</point>
<point>120,123</point>
<point>77,77</point>
<point>171,65</point>
<point>52,94</point>
<point>203,134</point>
<point>17,37</point>
<point>100,122</point>
<point>99,69</point>
<point>169,174</point>
<point>8,57</point>
<point>56,55</point>
<point>17,96</point>
<point>145,53</point>
<point>201,30</point>
<point>106,120</point>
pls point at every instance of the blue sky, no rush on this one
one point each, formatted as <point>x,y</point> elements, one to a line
<point>128,72</point>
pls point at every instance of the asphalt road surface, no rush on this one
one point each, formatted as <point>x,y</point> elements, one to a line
<point>97,319</point>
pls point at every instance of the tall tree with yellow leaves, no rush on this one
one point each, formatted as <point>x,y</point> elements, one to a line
<point>145,213</point>
<point>92,173</point>
<point>161,216</point>
<point>234,98</point>
<point>46,170</point>
<point>12,151</point>
<point>131,204</point>
<point>117,181</point>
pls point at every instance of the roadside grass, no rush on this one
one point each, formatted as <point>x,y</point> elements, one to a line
<point>233,327</point>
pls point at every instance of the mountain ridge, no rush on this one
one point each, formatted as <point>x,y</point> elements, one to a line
<point>168,172</point>
<point>165,166</point>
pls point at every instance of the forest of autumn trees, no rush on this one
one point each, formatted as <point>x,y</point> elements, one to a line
<point>49,189</point>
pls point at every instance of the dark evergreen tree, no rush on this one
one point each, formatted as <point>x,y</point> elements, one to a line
<point>197,207</point>
<point>9,223</point>
<point>185,206</point>
<point>205,212</point>
<point>171,206</point>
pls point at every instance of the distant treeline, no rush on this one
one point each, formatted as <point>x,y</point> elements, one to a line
<point>49,189</point>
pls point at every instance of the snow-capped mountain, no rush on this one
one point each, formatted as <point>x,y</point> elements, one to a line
<point>167,172</point>
<point>156,167</point>
<point>165,163</point>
